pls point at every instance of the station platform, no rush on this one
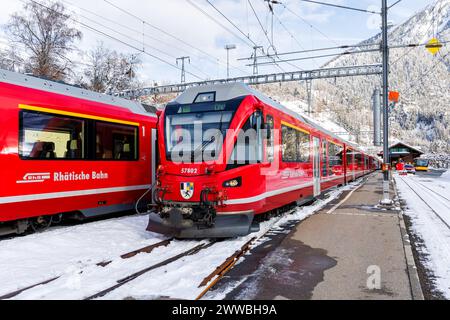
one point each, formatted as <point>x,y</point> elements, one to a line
<point>351,249</point>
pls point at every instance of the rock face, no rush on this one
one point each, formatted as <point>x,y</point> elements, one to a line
<point>422,117</point>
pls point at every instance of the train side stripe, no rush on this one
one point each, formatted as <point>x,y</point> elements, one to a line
<point>77,115</point>
<point>67,194</point>
<point>268,194</point>
<point>295,127</point>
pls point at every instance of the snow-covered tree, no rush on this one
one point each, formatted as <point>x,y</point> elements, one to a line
<point>109,71</point>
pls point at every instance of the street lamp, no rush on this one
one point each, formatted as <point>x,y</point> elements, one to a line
<point>229,47</point>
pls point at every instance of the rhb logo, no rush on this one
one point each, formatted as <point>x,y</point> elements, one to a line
<point>34,178</point>
<point>187,190</point>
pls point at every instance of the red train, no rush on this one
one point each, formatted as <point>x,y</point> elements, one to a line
<point>229,153</point>
<point>64,150</point>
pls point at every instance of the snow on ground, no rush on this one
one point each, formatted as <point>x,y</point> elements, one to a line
<point>427,225</point>
<point>73,252</point>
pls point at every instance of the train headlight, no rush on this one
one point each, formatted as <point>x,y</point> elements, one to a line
<point>233,183</point>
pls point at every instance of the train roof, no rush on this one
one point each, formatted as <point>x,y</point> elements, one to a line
<point>72,91</point>
<point>234,90</point>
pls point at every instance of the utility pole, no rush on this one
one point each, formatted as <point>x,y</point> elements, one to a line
<point>376,117</point>
<point>255,59</point>
<point>309,94</point>
<point>183,69</point>
<point>385,52</point>
<point>229,47</point>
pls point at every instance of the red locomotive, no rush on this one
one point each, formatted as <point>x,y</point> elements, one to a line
<point>67,150</point>
<point>229,153</point>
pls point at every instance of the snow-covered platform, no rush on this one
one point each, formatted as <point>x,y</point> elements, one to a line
<point>351,249</point>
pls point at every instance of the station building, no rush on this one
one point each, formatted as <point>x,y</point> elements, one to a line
<point>401,150</point>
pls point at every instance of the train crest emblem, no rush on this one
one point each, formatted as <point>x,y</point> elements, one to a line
<point>187,190</point>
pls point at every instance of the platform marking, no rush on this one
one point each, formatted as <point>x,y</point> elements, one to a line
<point>344,200</point>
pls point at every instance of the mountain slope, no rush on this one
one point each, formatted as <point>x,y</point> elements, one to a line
<point>422,117</point>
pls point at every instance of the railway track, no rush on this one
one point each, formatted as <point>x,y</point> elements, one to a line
<point>128,255</point>
<point>139,273</point>
<point>219,273</point>
<point>208,282</point>
<point>215,276</point>
<point>434,191</point>
<point>439,216</point>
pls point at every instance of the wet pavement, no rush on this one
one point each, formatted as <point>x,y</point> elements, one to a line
<point>354,252</point>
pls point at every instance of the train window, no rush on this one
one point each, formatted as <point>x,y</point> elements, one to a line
<point>46,136</point>
<point>358,159</point>
<point>324,158</point>
<point>335,158</point>
<point>289,144</point>
<point>116,141</point>
<point>270,138</point>
<point>304,147</point>
<point>350,154</point>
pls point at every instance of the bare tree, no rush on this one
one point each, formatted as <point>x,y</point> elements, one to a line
<point>10,60</point>
<point>110,71</point>
<point>45,32</point>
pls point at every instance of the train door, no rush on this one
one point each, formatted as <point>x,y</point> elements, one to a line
<point>154,156</point>
<point>316,166</point>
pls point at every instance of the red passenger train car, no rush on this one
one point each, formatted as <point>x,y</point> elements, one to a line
<point>65,150</point>
<point>215,177</point>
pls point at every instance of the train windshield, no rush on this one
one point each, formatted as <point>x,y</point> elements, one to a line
<point>195,132</point>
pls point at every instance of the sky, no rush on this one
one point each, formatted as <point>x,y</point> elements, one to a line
<point>136,25</point>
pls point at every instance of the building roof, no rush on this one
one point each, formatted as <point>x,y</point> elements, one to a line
<point>72,91</point>
<point>400,143</point>
<point>406,145</point>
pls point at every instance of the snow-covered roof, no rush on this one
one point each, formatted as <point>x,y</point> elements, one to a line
<point>228,91</point>
<point>406,145</point>
<point>72,91</point>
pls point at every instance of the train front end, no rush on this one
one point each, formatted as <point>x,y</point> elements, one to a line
<point>195,178</point>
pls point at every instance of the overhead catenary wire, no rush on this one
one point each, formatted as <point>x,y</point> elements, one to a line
<point>237,28</point>
<point>394,4</point>
<point>153,26</point>
<point>426,32</point>
<point>84,25</point>
<point>233,24</point>
<point>221,25</point>
<point>309,24</point>
<point>144,45</point>
<point>409,45</point>
<point>321,56</point>
<point>265,33</point>
<point>341,6</point>
<point>292,37</point>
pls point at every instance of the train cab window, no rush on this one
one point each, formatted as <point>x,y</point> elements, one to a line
<point>47,137</point>
<point>115,142</point>
<point>270,138</point>
<point>249,146</point>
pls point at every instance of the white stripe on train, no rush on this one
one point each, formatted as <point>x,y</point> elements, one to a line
<point>67,194</point>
